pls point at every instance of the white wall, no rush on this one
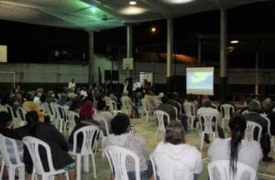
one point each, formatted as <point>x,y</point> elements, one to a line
<point>59,73</point>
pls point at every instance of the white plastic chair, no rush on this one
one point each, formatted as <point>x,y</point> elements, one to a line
<point>145,108</point>
<point>219,170</point>
<point>102,120</point>
<point>164,168</point>
<point>16,120</point>
<point>227,110</point>
<point>11,151</point>
<point>249,132</point>
<point>21,113</point>
<point>160,115</point>
<point>190,112</point>
<point>61,117</point>
<point>113,107</point>
<point>89,133</point>
<point>34,146</point>
<point>127,107</point>
<point>118,157</point>
<point>272,138</point>
<point>208,125</point>
<point>72,118</point>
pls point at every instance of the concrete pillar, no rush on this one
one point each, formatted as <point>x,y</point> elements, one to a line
<point>223,54</point>
<point>170,64</point>
<point>91,58</point>
<point>129,46</point>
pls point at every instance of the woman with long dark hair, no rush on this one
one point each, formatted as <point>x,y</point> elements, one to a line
<point>235,148</point>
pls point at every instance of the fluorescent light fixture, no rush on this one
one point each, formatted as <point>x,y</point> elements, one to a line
<point>177,1</point>
<point>132,11</point>
<point>234,42</point>
<point>132,3</point>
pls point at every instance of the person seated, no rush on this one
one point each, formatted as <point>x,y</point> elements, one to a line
<point>175,146</point>
<point>268,109</point>
<point>208,109</point>
<point>86,112</point>
<point>107,115</point>
<point>122,136</point>
<point>125,99</point>
<point>235,148</point>
<point>173,100</point>
<point>253,115</point>
<point>6,122</point>
<point>164,106</point>
<point>30,105</point>
<point>49,134</point>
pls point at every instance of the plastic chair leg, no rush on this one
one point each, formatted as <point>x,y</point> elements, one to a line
<point>202,139</point>
<point>94,165</point>
<point>86,163</point>
<point>78,167</point>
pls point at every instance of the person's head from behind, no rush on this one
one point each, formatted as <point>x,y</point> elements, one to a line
<point>5,119</point>
<point>206,103</point>
<point>120,124</point>
<point>175,133</point>
<point>267,103</point>
<point>254,105</point>
<point>101,105</point>
<point>32,118</point>
<point>164,99</point>
<point>236,127</point>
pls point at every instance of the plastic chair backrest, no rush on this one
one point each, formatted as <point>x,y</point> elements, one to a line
<point>227,110</point>
<point>145,105</point>
<point>35,146</point>
<point>8,147</point>
<point>118,157</point>
<point>21,112</point>
<point>60,112</point>
<point>159,114</point>
<point>189,109</point>
<point>219,170</point>
<point>250,133</point>
<point>73,117</point>
<point>89,133</point>
<point>164,168</point>
<point>208,123</point>
<point>10,111</point>
<point>268,123</point>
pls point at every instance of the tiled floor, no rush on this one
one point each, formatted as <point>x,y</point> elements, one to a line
<point>147,130</point>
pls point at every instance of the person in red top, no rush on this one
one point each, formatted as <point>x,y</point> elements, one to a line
<point>86,112</point>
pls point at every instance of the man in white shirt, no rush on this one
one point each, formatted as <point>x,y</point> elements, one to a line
<point>72,84</point>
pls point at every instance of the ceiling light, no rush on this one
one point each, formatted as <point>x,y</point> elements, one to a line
<point>177,1</point>
<point>133,3</point>
<point>132,11</point>
<point>234,42</point>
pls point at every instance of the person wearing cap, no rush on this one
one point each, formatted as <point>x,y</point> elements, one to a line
<point>253,114</point>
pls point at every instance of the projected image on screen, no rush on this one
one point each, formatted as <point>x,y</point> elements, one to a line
<point>200,81</point>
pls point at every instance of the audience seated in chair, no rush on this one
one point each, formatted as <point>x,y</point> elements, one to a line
<point>49,134</point>
<point>207,109</point>
<point>173,100</point>
<point>268,109</point>
<point>122,136</point>
<point>107,115</point>
<point>235,148</point>
<point>164,106</point>
<point>182,154</point>
<point>253,114</point>
<point>6,125</point>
